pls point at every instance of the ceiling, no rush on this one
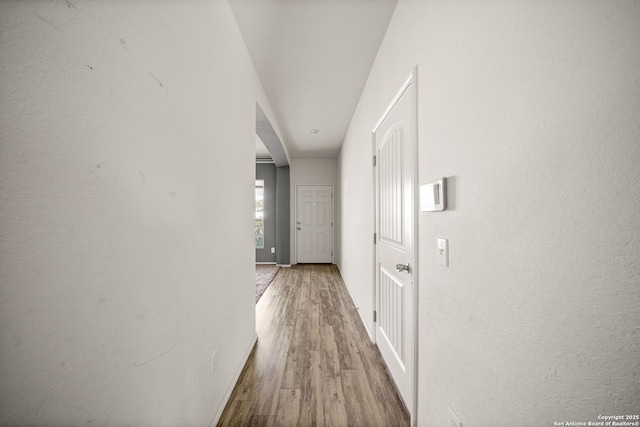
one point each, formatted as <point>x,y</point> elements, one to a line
<point>313,58</point>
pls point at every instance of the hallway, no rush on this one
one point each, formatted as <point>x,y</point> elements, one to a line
<point>313,363</point>
<point>128,144</point>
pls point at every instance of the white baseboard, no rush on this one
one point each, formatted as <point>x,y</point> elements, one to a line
<point>266,263</point>
<point>284,265</point>
<point>234,381</point>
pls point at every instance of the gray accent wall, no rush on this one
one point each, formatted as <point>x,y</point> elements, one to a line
<point>283,201</point>
<point>276,213</point>
<point>267,172</point>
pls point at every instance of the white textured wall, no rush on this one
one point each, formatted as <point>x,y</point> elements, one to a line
<point>532,109</point>
<point>313,171</point>
<point>126,257</point>
<point>354,240</point>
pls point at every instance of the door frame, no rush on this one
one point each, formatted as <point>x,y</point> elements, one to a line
<point>295,219</point>
<point>410,84</point>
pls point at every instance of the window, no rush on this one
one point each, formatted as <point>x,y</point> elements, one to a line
<point>259,214</point>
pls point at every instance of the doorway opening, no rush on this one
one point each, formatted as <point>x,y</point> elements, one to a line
<point>272,214</point>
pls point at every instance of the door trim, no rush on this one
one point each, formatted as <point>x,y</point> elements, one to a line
<point>295,218</point>
<point>411,84</point>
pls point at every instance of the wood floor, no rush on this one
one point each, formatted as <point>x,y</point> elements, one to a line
<point>314,364</point>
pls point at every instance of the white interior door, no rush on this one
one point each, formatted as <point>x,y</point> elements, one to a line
<point>314,223</point>
<point>395,149</point>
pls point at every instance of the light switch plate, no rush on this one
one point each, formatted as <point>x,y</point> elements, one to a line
<point>443,252</point>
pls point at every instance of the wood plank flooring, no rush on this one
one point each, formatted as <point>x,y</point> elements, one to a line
<point>314,364</point>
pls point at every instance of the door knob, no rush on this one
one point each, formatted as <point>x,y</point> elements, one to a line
<point>403,267</point>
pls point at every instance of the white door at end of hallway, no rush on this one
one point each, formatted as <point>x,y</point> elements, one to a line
<point>314,223</point>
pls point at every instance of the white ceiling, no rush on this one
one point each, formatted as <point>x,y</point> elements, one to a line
<point>313,58</point>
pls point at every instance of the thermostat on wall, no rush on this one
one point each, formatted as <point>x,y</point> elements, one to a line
<point>433,196</point>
